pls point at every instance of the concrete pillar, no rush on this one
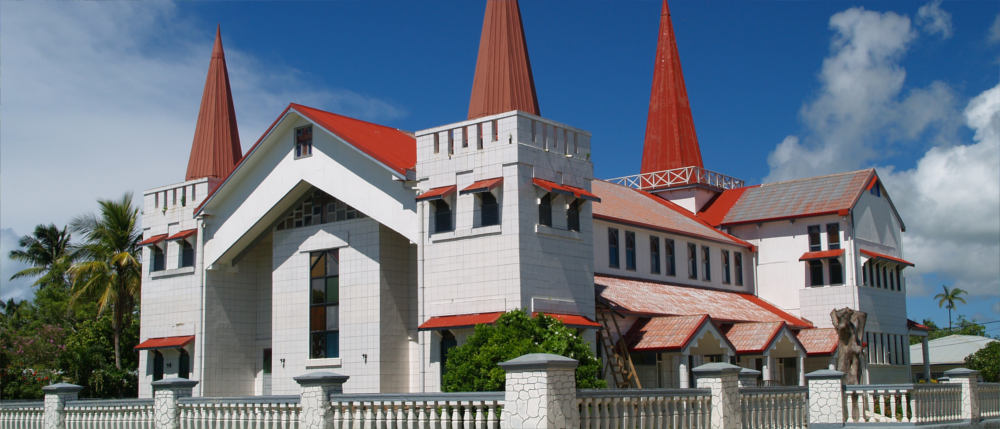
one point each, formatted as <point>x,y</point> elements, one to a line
<point>166,392</point>
<point>969,379</point>
<point>925,349</point>
<point>540,392</point>
<point>826,399</point>
<point>767,369</point>
<point>315,400</point>
<point>682,371</point>
<point>723,380</point>
<point>748,377</point>
<point>801,363</point>
<point>56,396</point>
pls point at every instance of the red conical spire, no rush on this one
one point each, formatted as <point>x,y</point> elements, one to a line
<point>671,141</point>
<point>216,146</point>
<point>503,80</point>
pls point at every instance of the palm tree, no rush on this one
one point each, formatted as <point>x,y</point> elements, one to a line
<point>48,252</point>
<point>947,300</point>
<point>109,270</point>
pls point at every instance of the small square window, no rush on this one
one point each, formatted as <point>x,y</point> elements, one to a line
<point>303,142</point>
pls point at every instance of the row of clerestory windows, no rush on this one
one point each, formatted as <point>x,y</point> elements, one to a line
<point>882,275</point>
<point>662,258</point>
<point>572,212</point>
<point>158,257</point>
<point>443,215</point>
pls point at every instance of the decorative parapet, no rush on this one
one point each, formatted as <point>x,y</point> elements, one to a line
<point>677,177</point>
<point>540,392</point>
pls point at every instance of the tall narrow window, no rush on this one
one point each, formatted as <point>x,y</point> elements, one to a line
<point>739,268</point>
<point>448,342</point>
<point>303,141</point>
<point>324,304</point>
<point>613,248</point>
<point>885,278</point>
<point>157,365</point>
<point>877,279</point>
<point>692,261</point>
<point>175,197</point>
<point>184,192</point>
<point>668,246</point>
<point>815,272</point>
<point>465,137</point>
<point>836,271</point>
<point>726,276</point>
<point>654,254</point>
<point>159,259</point>
<point>489,210</point>
<point>451,142</point>
<point>187,253</point>
<point>479,135</point>
<point>814,241</point>
<point>833,236</point>
<point>265,361</point>
<point>194,194</point>
<point>706,263</point>
<point>442,216</point>
<point>437,143</point>
<point>494,130</point>
<point>183,364</point>
<point>899,282</point>
<point>573,215</point>
<point>864,274</point>
<point>545,210</point>
<point>534,132</point>
<point>156,200</point>
<point>630,250</point>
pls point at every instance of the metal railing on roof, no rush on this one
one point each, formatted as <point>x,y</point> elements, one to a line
<point>678,177</point>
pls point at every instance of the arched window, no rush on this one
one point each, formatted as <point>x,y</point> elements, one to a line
<point>545,210</point>
<point>157,365</point>
<point>184,364</point>
<point>448,342</point>
<point>442,216</point>
<point>159,259</point>
<point>187,254</point>
<point>489,209</point>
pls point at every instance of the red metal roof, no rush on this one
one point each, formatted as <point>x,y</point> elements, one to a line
<point>661,299</point>
<point>482,185</point>
<point>565,189</point>
<point>622,204</point>
<point>753,338</point>
<point>215,149</point>
<point>503,79</point>
<point>467,320</point>
<point>390,146</point>
<point>153,240</point>
<point>671,141</point>
<point>821,254</point>
<point>436,193</point>
<point>183,234</point>
<point>819,341</point>
<point>164,342</point>
<point>571,320</point>
<point>869,253</point>
<point>914,325</point>
<point>664,333</point>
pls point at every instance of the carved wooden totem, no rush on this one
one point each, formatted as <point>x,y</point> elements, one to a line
<point>850,327</point>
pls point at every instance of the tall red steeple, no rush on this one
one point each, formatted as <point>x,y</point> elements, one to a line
<point>216,146</point>
<point>671,141</point>
<point>503,80</point>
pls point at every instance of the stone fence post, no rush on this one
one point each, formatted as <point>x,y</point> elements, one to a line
<point>723,380</point>
<point>56,396</point>
<point>748,377</point>
<point>826,398</point>
<point>315,400</point>
<point>540,392</point>
<point>969,379</point>
<point>166,392</point>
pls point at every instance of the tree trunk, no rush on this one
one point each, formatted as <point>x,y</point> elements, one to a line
<point>850,326</point>
<point>116,328</point>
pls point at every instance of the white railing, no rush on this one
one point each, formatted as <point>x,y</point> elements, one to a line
<point>479,410</point>
<point>774,407</point>
<point>678,177</point>
<point>906,403</point>
<point>271,412</point>
<point>110,414</point>
<point>21,414</point>
<point>645,408</point>
<point>989,400</point>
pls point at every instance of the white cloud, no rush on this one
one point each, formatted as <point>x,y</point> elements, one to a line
<point>994,33</point>
<point>19,289</point>
<point>934,20</point>
<point>101,97</point>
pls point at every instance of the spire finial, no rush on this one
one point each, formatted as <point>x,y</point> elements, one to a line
<point>216,147</point>
<point>671,141</point>
<point>503,80</point>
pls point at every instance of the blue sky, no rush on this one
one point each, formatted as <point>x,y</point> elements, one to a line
<point>778,90</point>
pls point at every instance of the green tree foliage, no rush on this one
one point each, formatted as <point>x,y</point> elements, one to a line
<point>47,250</point>
<point>965,327</point>
<point>947,299</point>
<point>472,367</point>
<point>986,361</point>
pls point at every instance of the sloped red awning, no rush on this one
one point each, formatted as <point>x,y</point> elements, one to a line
<point>883,256</point>
<point>819,341</point>
<point>153,240</point>
<point>665,333</point>
<point>469,320</point>
<point>566,189</point>
<point>914,325</point>
<point>165,342</point>
<point>822,254</point>
<point>572,320</point>
<point>183,234</point>
<point>482,185</point>
<point>436,193</point>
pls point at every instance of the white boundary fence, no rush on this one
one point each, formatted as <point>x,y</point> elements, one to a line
<point>21,414</point>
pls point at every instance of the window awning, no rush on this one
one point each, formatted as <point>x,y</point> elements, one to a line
<point>482,186</point>
<point>885,257</point>
<point>822,254</point>
<point>153,240</point>
<point>566,189</point>
<point>165,342</point>
<point>183,234</point>
<point>436,193</point>
<point>470,320</point>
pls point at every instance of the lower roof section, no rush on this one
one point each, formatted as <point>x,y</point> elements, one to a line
<point>470,320</point>
<point>665,333</point>
<point>819,341</point>
<point>165,342</point>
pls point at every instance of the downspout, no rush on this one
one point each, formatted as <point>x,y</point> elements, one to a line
<point>421,298</point>
<point>854,262</point>
<point>200,331</point>
<point>755,261</point>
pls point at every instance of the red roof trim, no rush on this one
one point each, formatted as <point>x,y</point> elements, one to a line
<point>565,189</point>
<point>152,240</point>
<point>716,212</point>
<point>165,342</point>
<point>183,234</point>
<point>791,320</point>
<point>676,207</point>
<point>399,159</point>
<point>468,320</point>
<point>436,193</point>
<point>869,253</point>
<point>482,186</point>
<point>822,352</point>
<point>797,216</point>
<point>914,325</point>
<point>821,254</point>
<point>571,319</point>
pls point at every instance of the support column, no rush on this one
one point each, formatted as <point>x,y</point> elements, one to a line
<point>969,379</point>
<point>166,392</point>
<point>56,396</point>
<point>826,399</point>
<point>925,349</point>
<point>315,399</point>
<point>767,369</point>
<point>723,380</point>
<point>683,378</point>
<point>801,362</point>
<point>748,377</point>
<point>540,392</point>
